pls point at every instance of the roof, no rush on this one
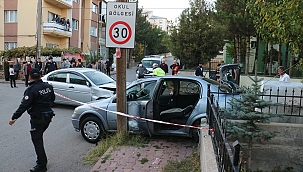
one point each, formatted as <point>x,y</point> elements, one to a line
<point>157,17</point>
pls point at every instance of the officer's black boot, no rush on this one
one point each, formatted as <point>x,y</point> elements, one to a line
<point>38,168</point>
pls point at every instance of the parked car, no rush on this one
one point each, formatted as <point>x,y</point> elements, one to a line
<point>176,99</point>
<point>148,63</point>
<point>80,84</point>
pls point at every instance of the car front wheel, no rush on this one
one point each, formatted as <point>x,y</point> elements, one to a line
<point>92,129</point>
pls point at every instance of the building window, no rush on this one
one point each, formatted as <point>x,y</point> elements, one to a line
<point>10,45</point>
<point>93,31</point>
<point>49,45</point>
<point>160,21</point>
<point>10,16</point>
<point>94,8</point>
<point>77,1</point>
<point>75,24</point>
<point>52,17</point>
<point>160,27</point>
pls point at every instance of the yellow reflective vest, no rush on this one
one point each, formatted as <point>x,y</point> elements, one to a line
<point>158,72</point>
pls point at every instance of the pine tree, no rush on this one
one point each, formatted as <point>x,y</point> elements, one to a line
<point>247,109</point>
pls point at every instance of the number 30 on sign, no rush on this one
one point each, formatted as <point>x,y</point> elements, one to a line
<point>120,32</point>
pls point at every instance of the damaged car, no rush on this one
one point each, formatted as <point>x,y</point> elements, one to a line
<point>174,99</point>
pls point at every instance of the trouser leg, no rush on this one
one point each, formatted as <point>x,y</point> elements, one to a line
<point>11,77</point>
<point>38,126</point>
<point>26,80</point>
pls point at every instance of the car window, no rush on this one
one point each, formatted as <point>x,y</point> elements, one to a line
<point>98,78</point>
<point>58,77</point>
<point>188,88</point>
<point>168,88</point>
<point>143,91</point>
<point>76,79</point>
<point>149,63</point>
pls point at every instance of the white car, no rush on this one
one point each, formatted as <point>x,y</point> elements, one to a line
<point>148,63</point>
<point>80,84</point>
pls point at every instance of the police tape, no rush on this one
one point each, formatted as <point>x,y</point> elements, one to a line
<point>132,116</point>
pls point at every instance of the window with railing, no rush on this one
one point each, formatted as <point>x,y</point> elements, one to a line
<point>50,45</point>
<point>10,45</point>
<point>10,16</point>
<point>94,8</point>
<point>93,31</point>
<point>75,24</point>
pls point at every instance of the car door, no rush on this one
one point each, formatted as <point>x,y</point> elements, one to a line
<point>59,82</point>
<point>78,89</point>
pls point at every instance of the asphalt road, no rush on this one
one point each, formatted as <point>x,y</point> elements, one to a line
<point>64,147</point>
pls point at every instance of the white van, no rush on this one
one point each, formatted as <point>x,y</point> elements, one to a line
<point>148,63</point>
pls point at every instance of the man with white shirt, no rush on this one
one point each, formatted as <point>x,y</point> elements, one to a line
<point>283,75</point>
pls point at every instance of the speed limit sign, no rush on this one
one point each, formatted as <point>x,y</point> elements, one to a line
<point>120,26</point>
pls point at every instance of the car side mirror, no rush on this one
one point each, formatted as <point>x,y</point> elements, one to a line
<point>88,84</point>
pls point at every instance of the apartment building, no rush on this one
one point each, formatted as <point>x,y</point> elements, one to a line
<point>18,27</point>
<point>160,22</point>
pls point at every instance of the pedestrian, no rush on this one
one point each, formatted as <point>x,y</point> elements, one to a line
<point>12,76</point>
<point>17,68</point>
<point>164,66</point>
<point>141,71</point>
<point>218,72</point>
<point>39,65</point>
<point>100,66</point>
<point>108,66</point>
<point>199,70</point>
<point>284,77</point>
<point>65,64</point>
<point>26,69</point>
<point>79,63</point>
<point>50,66</point>
<point>173,67</point>
<point>37,100</point>
<point>176,69</point>
<point>157,71</point>
<point>73,64</point>
<point>91,64</point>
<point>6,70</point>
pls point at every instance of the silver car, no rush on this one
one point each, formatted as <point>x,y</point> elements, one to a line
<point>80,84</point>
<point>175,99</point>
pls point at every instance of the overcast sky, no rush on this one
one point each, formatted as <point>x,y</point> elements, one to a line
<point>170,9</point>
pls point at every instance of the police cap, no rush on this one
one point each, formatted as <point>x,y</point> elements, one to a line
<point>34,73</point>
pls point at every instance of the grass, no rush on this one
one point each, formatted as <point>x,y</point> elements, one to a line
<point>118,139</point>
<point>189,164</point>
<point>143,160</point>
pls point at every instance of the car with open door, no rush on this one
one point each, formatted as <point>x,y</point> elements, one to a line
<point>174,99</point>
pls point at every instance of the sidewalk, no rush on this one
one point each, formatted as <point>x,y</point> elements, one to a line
<point>151,158</point>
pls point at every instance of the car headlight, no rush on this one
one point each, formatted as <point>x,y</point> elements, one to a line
<point>76,110</point>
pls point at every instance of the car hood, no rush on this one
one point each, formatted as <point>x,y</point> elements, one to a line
<point>109,86</point>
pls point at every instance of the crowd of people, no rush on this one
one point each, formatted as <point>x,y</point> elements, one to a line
<point>62,21</point>
<point>49,66</point>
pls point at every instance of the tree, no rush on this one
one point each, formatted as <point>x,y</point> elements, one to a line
<point>197,37</point>
<point>281,21</point>
<point>244,109</point>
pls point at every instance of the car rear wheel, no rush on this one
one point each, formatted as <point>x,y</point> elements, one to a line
<point>92,129</point>
<point>195,132</point>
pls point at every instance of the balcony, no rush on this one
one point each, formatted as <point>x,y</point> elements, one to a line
<point>61,3</point>
<point>56,29</point>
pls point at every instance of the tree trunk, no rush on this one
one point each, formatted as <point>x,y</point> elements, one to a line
<point>286,56</point>
<point>270,59</point>
<point>236,49</point>
<point>239,49</point>
<point>280,55</point>
<point>247,54</point>
<point>291,64</point>
<point>249,152</point>
<point>265,59</point>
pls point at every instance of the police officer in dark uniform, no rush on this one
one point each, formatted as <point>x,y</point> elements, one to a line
<point>37,100</point>
<point>50,65</point>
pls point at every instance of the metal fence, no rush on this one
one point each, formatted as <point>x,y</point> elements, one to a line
<point>226,159</point>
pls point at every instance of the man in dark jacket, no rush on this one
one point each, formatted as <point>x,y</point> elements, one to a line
<point>199,70</point>
<point>141,71</point>
<point>39,65</point>
<point>50,66</point>
<point>108,66</point>
<point>164,66</point>
<point>37,100</point>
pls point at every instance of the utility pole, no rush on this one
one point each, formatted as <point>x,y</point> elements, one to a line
<point>121,88</point>
<point>39,18</point>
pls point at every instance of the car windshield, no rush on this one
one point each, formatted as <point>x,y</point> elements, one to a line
<point>149,63</point>
<point>98,78</point>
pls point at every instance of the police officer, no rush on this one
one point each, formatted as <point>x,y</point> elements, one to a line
<point>157,71</point>
<point>37,100</point>
<point>50,65</point>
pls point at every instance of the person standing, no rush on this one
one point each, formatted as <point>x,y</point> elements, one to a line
<point>17,68</point>
<point>39,65</point>
<point>65,64</point>
<point>12,76</point>
<point>176,69</point>
<point>26,69</point>
<point>6,70</point>
<point>284,77</point>
<point>50,66</point>
<point>164,66</point>
<point>199,70</point>
<point>173,67</point>
<point>79,63</point>
<point>108,66</point>
<point>91,64</point>
<point>218,72</point>
<point>157,71</point>
<point>141,71</point>
<point>37,100</point>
